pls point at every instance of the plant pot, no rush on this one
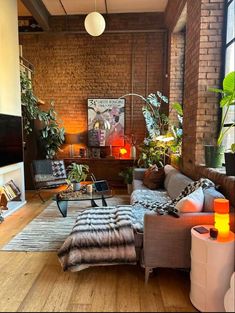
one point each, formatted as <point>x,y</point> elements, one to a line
<point>230,163</point>
<point>129,189</point>
<point>76,186</point>
<point>214,156</point>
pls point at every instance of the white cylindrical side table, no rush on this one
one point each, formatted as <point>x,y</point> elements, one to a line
<point>212,264</point>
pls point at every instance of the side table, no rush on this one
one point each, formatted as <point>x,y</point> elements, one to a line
<point>212,264</point>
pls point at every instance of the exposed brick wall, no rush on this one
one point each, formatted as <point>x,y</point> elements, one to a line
<point>176,72</point>
<point>202,70</point>
<point>191,82</point>
<point>72,67</point>
<point>203,61</point>
<point>210,63</point>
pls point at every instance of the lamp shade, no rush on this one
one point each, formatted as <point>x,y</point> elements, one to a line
<point>94,24</point>
<point>71,138</point>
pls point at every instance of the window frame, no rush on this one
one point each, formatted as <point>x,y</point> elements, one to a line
<point>226,45</point>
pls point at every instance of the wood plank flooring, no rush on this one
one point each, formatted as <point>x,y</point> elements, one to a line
<point>35,282</point>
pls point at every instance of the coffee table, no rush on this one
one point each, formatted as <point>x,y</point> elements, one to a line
<point>63,198</point>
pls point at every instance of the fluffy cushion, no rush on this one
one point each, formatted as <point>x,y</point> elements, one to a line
<point>154,177</point>
<point>191,203</point>
<point>176,183</point>
<point>209,195</point>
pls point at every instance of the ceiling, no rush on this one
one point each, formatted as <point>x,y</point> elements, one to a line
<point>70,7</point>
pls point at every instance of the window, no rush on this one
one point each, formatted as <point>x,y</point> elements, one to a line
<point>229,67</point>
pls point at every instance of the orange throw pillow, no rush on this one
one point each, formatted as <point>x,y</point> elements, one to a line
<point>154,177</point>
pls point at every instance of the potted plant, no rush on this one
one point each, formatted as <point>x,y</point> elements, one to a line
<point>127,174</point>
<point>52,135</point>
<point>230,161</point>
<point>76,174</point>
<point>214,155</point>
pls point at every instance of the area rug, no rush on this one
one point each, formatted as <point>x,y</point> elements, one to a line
<point>49,229</point>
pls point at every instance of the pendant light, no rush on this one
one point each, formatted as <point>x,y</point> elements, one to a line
<point>94,23</point>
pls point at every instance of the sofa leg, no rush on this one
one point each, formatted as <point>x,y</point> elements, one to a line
<point>148,270</point>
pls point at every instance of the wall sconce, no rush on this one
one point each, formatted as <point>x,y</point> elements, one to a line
<point>221,208</point>
<point>94,23</point>
<point>71,139</point>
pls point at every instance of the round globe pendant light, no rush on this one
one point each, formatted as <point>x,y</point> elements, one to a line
<point>94,24</point>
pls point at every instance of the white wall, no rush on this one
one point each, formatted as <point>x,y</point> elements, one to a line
<point>10,101</point>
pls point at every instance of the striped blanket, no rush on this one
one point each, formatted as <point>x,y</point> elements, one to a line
<point>101,236</point>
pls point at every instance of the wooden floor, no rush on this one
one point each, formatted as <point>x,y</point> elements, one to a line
<point>34,281</point>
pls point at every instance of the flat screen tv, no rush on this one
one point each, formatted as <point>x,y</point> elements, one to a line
<point>11,139</point>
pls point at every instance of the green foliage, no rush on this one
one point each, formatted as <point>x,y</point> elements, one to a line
<point>127,174</point>
<point>30,109</point>
<point>233,148</point>
<point>177,130</point>
<point>156,121</point>
<point>227,99</point>
<point>152,152</point>
<point>51,134</point>
<point>77,173</point>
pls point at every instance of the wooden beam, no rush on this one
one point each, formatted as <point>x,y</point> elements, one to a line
<point>39,12</point>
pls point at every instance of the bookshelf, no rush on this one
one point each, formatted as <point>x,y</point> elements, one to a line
<point>13,172</point>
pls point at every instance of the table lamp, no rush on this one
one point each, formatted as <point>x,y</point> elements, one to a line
<point>221,208</point>
<point>122,151</point>
<point>71,139</point>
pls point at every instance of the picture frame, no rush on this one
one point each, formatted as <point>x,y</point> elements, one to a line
<point>106,122</point>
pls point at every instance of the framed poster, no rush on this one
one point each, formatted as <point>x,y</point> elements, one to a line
<point>106,119</point>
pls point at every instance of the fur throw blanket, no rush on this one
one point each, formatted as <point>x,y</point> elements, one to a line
<point>101,236</point>
<point>169,206</point>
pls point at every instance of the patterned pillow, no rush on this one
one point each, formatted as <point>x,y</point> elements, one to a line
<point>58,169</point>
<point>154,177</point>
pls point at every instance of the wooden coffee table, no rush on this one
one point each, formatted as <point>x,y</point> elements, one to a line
<point>63,198</point>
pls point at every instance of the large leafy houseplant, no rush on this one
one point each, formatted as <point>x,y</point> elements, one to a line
<point>51,133</point>
<point>152,151</point>
<point>226,101</point>
<point>214,154</point>
<point>156,121</point>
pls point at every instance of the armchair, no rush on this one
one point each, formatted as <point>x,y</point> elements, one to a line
<point>48,174</point>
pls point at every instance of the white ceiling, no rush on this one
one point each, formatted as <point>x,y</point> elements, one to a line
<point>113,6</point>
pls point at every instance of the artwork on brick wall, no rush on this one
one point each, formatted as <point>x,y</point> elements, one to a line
<point>106,121</point>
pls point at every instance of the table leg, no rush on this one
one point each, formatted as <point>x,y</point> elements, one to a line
<point>104,203</point>
<point>93,203</point>
<point>62,206</point>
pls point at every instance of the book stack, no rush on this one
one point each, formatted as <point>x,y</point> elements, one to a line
<point>10,190</point>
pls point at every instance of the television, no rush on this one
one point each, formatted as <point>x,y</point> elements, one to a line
<point>11,139</point>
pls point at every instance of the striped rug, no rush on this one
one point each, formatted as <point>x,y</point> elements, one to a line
<point>49,229</point>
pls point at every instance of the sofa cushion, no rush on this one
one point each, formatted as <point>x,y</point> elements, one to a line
<point>192,203</point>
<point>209,195</point>
<point>175,183</point>
<point>154,177</point>
<point>138,185</point>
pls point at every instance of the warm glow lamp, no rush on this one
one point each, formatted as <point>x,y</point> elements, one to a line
<point>71,139</point>
<point>94,23</point>
<point>122,151</point>
<point>221,208</point>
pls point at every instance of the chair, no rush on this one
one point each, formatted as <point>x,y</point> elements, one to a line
<point>48,174</point>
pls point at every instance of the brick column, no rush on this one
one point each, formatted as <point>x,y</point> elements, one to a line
<point>176,73</point>
<point>202,70</point>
